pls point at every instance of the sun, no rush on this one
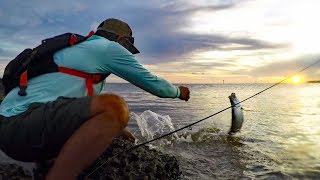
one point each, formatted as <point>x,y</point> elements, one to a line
<point>296,79</point>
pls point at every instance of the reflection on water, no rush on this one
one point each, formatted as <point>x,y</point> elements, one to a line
<point>301,132</point>
<point>280,137</point>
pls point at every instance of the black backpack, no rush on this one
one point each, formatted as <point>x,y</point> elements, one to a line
<point>34,62</point>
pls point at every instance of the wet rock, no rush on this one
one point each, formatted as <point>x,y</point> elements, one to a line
<point>13,172</point>
<point>141,163</point>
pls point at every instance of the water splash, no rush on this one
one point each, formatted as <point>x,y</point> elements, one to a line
<point>152,125</point>
<point>204,134</point>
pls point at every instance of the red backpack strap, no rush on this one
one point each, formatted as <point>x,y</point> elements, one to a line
<point>90,78</point>
<point>91,33</point>
<point>23,83</point>
<point>73,38</point>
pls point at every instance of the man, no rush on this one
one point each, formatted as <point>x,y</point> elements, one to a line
<point>57,118</point>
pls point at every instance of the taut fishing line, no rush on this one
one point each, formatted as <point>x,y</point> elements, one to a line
<point>160,137</point>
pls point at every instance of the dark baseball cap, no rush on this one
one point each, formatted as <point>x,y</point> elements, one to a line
<point>122,29</point>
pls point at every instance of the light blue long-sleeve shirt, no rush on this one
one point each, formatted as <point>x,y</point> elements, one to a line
<point>95,55</point>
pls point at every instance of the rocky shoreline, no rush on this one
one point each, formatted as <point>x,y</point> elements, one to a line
<point>141,163</point>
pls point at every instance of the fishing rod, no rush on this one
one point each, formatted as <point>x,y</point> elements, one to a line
<point>170,133</point>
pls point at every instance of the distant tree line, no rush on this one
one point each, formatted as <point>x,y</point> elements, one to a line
<point>314,81</point>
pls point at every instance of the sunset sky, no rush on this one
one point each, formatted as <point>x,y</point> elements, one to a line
<point>190,41</point>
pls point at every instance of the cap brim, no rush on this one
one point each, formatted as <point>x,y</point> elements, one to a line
<point>130,47</point>
<point>113,37</point>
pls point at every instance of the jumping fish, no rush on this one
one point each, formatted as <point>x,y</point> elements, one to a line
<point>237,115</point>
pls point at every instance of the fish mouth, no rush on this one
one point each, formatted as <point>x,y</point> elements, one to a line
<point>232,96</point>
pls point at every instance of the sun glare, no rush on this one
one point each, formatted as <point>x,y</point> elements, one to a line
<point>296,79</point>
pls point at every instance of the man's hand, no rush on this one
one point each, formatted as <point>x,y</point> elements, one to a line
<point>184,93</point>
<point>127,135</point>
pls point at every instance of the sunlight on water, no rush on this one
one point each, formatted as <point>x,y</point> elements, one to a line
<point>303,143</point>
<point>289,124</point>
<point>280,137</point>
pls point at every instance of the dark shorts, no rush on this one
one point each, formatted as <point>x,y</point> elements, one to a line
<point>40,132</point>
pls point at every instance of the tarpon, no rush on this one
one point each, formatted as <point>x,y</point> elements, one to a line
<point>237,114</point>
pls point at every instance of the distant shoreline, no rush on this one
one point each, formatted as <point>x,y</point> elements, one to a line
<point>313,81</point>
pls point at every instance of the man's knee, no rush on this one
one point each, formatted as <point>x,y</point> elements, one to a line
<point>111,105</point>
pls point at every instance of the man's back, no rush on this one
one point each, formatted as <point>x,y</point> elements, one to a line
<point>48,87</point>
<point>95,55</point>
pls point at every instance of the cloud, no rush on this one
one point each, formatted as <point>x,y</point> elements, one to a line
<point>37,19</point>
<point>6,53</point>
<point>286,68</point>
<point>179,45</point>
<point>163,41</point>
<point>160,32</point>
<point>156,25</point>
<point>189,7</point>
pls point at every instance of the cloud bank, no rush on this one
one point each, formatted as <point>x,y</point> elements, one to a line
<point>166,33</point>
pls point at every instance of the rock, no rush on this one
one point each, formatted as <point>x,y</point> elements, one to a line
<point>141,163</point>
<point>13,172</point>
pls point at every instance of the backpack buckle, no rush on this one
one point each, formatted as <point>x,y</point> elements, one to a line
<point>22,91</point>
<point>73,39</point>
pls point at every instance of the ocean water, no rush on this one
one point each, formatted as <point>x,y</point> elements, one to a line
<point>280,138</point>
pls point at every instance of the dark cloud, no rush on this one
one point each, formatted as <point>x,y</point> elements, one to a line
<point>156,25</point>
<point>252,44</point>
<point>158,38</point>
<point>209,8</point>
<point>187,7</point>
<point>177,45</point>
<point>197,68</point>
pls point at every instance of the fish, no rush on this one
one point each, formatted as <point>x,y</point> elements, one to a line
<point>237,114</point>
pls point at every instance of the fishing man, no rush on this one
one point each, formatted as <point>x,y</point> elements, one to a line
<point>58,119</point>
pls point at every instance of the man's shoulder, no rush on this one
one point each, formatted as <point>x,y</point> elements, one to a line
<point>96,42</point>
<point>113,48</point>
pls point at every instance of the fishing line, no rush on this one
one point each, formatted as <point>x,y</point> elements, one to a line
<point>170,133</point>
